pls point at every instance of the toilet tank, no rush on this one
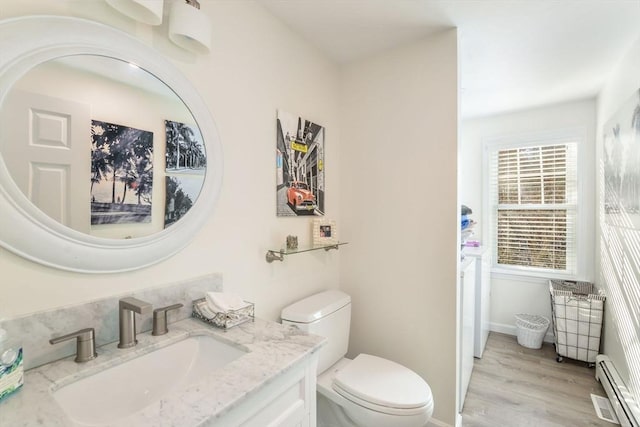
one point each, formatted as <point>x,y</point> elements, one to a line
<point>327,314</point>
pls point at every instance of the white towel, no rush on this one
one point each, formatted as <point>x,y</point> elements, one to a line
<point>204,310</point>
<point>222,302</point>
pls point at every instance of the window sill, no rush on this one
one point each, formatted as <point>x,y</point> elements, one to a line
<point>528,275</point>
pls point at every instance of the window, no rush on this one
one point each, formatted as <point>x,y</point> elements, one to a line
<point>533,208</point>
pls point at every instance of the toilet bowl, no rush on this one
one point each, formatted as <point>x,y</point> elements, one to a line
<point>368,391</point>
<point>394,397</point>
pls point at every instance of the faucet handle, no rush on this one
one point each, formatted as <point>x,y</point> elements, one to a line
<point>85,344</point>
<point>160,319</point>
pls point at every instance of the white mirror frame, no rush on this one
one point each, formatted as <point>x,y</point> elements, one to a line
<point>26,42</point>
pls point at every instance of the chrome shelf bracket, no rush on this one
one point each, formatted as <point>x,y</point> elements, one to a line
<point>275,256</point>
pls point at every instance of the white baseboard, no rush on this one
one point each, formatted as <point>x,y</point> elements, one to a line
<point>437,423</point>
<point>512,330</point>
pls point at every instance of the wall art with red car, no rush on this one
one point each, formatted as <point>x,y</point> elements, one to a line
<point>299,166</point>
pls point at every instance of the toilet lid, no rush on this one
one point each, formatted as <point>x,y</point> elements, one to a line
<point>381,382</point>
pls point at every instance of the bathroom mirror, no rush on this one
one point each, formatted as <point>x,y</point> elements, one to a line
<point>102,146</point>
<point>109,159</point>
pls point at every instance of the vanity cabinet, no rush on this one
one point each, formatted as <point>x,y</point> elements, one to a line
<point>290,401</point>
<point>272,383</point>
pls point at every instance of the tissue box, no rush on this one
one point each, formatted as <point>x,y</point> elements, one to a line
<point>11,371</point>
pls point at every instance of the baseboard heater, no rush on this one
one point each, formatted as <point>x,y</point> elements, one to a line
<point>623,403</point>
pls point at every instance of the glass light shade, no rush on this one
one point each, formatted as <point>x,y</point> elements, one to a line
<point>146,11</point>
<point>189,28</point>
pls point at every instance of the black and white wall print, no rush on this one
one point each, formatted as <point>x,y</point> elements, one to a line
<point>181,193</point>
<point>621,144</point>
<point>185,149</point>
<point>299,166</point>
<point>186,163</point>
<point>121,174</point>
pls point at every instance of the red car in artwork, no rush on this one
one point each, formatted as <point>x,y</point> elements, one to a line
<point>300,197</point>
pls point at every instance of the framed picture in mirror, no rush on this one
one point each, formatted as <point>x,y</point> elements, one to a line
<point>121,174</point>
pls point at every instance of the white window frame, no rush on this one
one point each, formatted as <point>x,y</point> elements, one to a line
<point>557,137</point>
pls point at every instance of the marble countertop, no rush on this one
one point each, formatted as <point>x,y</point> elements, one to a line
<point>272,349</point>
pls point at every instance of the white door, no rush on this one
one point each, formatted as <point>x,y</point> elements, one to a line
<point>46,144</point>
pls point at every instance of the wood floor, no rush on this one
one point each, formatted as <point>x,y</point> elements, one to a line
<point>512,386</point>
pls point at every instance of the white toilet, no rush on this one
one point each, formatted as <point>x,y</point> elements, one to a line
<point>367,391</point>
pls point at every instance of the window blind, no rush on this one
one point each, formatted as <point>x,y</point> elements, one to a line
<point>534,206</point>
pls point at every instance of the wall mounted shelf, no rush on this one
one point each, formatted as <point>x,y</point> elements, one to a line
<point>278,255</point>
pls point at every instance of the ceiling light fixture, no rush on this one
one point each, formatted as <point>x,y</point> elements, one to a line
<point>146,11</point>
<point>189,28</point>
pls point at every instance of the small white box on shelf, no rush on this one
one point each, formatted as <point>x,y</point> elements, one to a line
<point>324,232</point>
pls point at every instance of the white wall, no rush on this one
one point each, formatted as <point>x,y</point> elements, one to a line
<point>621,281</point>
<point>256,66</point>
<point>512,294</point>
<point>399,209</point>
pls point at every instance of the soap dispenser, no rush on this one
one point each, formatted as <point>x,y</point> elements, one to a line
<point>11,370</point>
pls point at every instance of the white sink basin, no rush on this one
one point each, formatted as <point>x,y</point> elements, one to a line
<point>125,389</point>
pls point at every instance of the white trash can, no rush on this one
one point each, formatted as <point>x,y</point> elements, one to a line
<point>531,330</point>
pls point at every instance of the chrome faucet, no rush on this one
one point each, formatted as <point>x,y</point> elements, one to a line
<point>85,344</point>
<point>128,307</point>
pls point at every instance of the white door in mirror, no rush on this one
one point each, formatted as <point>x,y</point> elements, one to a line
<point>41,139</point>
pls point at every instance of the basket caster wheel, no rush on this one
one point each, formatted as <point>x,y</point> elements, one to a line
<point>591,365</point>
<point>559,359</point>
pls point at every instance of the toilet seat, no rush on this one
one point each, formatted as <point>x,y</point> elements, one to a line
<point>383,386</point>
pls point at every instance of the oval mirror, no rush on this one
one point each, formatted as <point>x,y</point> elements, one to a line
<point>102,146</point>
<point>109,159</point>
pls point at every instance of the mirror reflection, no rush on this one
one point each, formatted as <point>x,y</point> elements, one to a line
<point>102,146</point>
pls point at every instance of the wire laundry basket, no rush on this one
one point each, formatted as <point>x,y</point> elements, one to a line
<point>577,310</point>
